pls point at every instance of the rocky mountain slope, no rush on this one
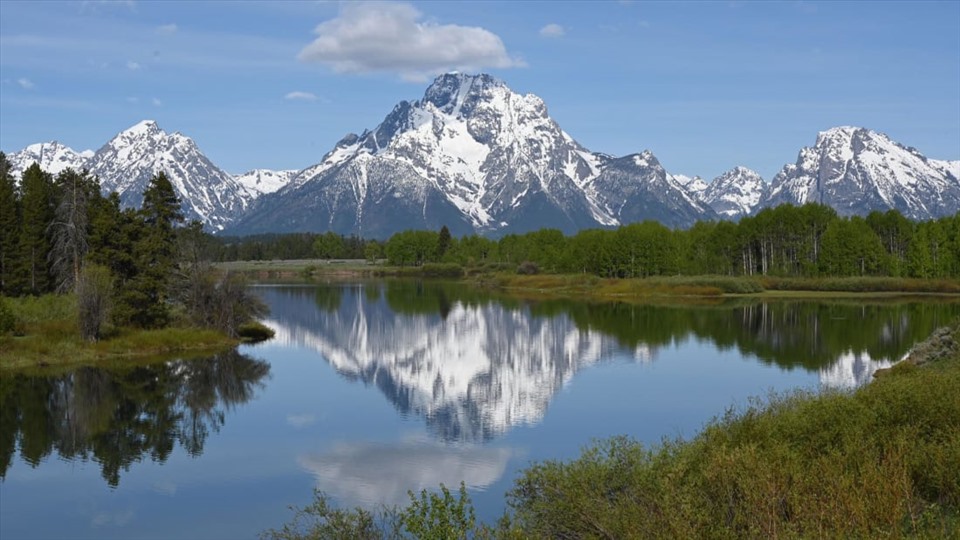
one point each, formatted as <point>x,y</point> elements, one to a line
<point>52,157</point>
<point>856,170</point>
<point>128,161</point>
<point>735,193</point>
<point>477,157</point>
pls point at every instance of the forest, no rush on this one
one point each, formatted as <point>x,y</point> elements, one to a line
<point>127,268</point>
<point>808,241</point>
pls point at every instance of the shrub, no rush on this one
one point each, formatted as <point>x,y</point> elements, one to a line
<point>7,320</point>
<point>254,332</point>
<point>448,270</point>
<point>528,268</point>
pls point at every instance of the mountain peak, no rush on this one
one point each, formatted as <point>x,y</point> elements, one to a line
<point>143,128</point>
<point>450,91</point>
<point>856,170</point>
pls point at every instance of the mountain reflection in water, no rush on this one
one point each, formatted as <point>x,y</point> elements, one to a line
<point>119,416</point>
<point>474,365</point>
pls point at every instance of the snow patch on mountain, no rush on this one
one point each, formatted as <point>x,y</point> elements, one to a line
<point>856,170</point>
<point>261,181</point>
<point>127,162</point>
<point>53,157</point>
<point>735,193</point>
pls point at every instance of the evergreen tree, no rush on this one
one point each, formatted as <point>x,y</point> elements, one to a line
<point>9,226</point>
<point>443,242</point>
<point>155,253</point>
<point>37,215</point>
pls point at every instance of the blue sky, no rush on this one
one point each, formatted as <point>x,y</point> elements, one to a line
<point>704,86</point>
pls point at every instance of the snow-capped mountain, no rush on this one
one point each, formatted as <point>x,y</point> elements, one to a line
<point>735,193</point>
<point>261,181</point>
<point>856,170</point>
<point>128,162</point>
<point>693,185</point>
<point>477,157</point>
<point>637,188</point>
<point>53,157</point>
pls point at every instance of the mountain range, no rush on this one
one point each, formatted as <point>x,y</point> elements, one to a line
<point>477,157</point>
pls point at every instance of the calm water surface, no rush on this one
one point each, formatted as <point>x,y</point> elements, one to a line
<point>370,390</point>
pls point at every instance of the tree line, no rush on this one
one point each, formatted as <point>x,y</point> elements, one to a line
<point>129,267</point>
<point>790,241</point>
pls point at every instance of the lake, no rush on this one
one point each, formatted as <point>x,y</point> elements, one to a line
<point>373,389</point>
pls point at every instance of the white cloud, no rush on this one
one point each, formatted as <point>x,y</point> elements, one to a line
<point>369,474</point>
<point>552,30</point>
<point>301,96</point>
<point>390,37</point>
<point>167,29</point>
<point>156,102</point>
<point>133,66</point>
<point>25,83</point>
<point>133,100</point>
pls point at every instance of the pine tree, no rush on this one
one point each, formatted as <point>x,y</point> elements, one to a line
<point>9,226</point>
<point>37,215</point>
<point>155,253</point>
<point>443,242</point>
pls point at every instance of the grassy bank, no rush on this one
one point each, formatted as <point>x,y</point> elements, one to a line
<point>881,461</point>
<point>505,277</point>
<point>588,286</point>
<point>46,334</point>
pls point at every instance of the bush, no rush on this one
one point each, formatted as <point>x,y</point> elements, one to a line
<point>255,332</point>
<point>7,320</point>
<point>448,270</point>
<point>528,268</point>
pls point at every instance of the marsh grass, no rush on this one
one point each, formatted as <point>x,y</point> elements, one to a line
<point>47,335</point>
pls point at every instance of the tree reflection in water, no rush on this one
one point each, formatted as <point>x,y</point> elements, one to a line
<point>118,416</point>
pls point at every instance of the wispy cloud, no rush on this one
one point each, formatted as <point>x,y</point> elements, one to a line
<point>392,37</point>
<point>156,102</point>
<point>25,83</point>
<point>552,30</point>
<point>93,5</point>
<point>133,66</point>
<point>300,96</point>
<point>133,100</point>
<point>167,29</point>
<point>301,420</point>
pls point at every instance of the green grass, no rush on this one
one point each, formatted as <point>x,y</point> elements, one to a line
<point>46,334</point>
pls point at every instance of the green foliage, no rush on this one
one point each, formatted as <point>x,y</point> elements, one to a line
<point>254,332</point>
<point>445,270</point>
<point>412,248</point>
<point>38,202</point>
<point>440,516</point>
<point>320,520</point>
<point>9,227</point>
<point>329,246</point>
<point>7,319</point>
